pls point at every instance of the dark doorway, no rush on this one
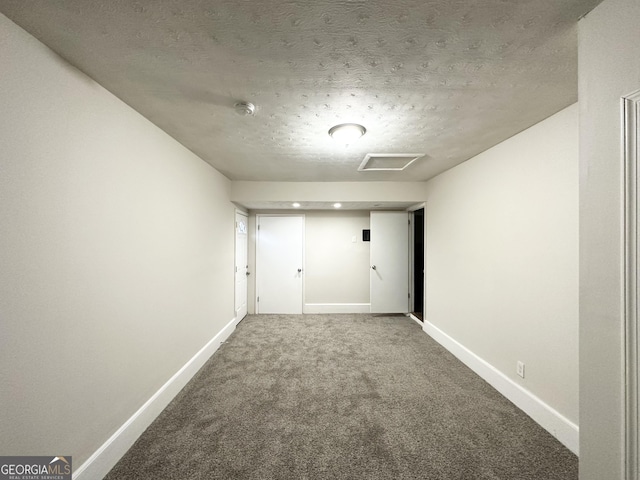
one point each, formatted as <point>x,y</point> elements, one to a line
<point>418,263</point>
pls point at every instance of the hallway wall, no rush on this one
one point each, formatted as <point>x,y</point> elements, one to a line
<point>246,192</point>
<point>502,260</point>
<point>116,255</point>
<point>336,267</point>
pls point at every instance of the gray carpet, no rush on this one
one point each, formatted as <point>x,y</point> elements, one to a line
<point>341,397</point>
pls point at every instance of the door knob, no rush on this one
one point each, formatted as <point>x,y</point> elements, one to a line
<point>299,270</point>
<point>248,273</point>
<point>373,267</point>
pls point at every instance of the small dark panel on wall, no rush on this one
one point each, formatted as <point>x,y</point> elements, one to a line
<point>366,235</point>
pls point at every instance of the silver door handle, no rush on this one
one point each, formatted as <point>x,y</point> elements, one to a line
<point>373,267</point>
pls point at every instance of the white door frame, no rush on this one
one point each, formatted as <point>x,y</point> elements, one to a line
<point>630,109</point>
<point>412,282</point>
<point>257,262</point>
<point>237,269</point>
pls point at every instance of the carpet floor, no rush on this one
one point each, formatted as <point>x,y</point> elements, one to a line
<point>341,397</point>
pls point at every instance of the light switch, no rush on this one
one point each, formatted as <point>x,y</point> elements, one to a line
<point>354,239</point>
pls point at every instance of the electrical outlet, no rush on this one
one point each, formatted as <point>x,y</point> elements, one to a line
<point>520,369</point>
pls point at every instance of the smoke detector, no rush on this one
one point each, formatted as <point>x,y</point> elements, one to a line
<point>245,108</point>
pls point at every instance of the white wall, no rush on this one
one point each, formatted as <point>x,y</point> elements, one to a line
<point>609,68</point>
<point>116,255</point>
<point>246,193</point>
<point>502,259</point>
<point>336,268</point>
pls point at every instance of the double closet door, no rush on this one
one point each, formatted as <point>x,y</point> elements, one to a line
<point>280,263</point>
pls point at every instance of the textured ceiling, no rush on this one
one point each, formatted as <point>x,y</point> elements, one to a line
<point>449,78</point>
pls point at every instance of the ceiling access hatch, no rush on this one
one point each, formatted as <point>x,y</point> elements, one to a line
<point>388,162</point>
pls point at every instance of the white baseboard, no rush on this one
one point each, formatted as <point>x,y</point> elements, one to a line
<point>552,421</point>
<point>105,458</point>
<point>337,307</point>
<point>414,318</point>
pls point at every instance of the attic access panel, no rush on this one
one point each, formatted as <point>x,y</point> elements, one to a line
<point>388,162</point>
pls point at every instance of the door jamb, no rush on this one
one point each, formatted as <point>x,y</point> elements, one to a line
<point>412,209</point>
<point>630,111</point>
<point>235,256</point>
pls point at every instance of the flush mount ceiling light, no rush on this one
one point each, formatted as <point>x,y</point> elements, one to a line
<point>347,133</point>
<point>296,205</point>
<point>337,205</point>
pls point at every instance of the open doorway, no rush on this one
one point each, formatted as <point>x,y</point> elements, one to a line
<point>417,264</point>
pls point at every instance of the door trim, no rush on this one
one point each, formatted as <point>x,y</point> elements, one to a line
<point>235,257</point>
<point>412,272</point>
<point>630,110</point>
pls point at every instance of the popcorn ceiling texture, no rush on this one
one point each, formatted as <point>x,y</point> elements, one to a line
<point>447,78</point>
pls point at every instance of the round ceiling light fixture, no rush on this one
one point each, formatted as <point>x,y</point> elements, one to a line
<point>347,133</point>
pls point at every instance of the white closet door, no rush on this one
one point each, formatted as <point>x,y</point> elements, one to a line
<point>279,261</point>
<point>389,274</point>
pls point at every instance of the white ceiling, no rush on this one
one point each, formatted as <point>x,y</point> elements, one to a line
<point>450,78</point>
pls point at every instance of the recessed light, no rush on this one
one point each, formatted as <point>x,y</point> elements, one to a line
<point>296,205</point>
<point>337,205</point>
<point>347,133</point>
